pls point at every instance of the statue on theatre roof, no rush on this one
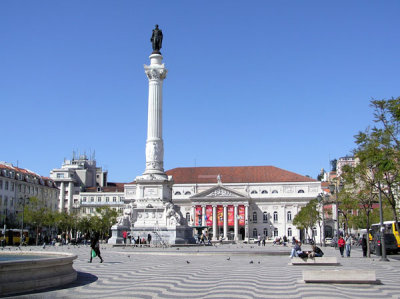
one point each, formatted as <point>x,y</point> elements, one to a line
<point>156,40</point>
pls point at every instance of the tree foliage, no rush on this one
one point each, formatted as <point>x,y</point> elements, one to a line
<point>379,151</point>
<point>308,216</point>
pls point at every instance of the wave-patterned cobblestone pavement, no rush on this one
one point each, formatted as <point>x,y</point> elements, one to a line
<point>227,271</point>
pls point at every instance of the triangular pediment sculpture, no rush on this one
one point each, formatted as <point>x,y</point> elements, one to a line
<point>219,192</point>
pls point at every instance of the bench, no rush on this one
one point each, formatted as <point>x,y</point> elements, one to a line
<point>316,261</point>
<point>340,276</point>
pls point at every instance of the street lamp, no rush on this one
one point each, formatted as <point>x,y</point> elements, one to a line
<point>334,189</point>
<point>382,228</point>
<point>22,201</point>
<point>321,200</point>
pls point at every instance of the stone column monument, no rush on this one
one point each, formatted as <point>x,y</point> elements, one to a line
<point>152,209</point>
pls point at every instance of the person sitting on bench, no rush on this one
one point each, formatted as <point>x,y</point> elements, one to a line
<point>316,252</point>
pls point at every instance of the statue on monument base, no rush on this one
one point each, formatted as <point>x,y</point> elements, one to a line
<point>123,224</point>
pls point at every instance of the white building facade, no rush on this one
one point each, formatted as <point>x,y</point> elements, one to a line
<point>237,203</point>
<point>110,196</point>
<point>74,176</point>
<point>17,185</point>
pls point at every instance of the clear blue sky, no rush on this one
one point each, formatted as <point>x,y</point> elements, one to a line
<point>283,83</point>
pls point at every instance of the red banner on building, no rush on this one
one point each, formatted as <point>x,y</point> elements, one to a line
<point>209,217</point>
<point>231,216</point>
<point>197,220</point>
<point>241,215</point>
<point>220,215</point>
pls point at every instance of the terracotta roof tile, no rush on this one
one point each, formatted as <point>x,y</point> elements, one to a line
<point>235,174</point>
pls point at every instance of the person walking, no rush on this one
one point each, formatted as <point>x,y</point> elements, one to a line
<point>341,244</point>
<point>95,248</point>
<point>364,245</point>
<point>124,235</point>
<point>348,240</point>
<point>148,239</point>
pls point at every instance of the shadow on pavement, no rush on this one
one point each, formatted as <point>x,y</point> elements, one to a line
<point>82,279</point>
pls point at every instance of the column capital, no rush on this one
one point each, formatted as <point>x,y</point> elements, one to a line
<point>155,73</point>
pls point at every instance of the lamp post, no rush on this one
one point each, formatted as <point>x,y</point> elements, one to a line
<point>382,228</point>
<point>320,199</point>
<point>334,188</point>
<point>22,200</point>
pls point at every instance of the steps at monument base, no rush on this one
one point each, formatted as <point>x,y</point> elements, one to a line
<point>340,276</point>
<point>317,261</point>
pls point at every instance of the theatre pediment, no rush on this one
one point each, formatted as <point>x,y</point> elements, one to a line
<point>219,192</point>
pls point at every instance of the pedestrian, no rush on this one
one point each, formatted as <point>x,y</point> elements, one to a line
<point>263,241</point>
<point>259,240</point>
<point>341,244</point>
<point>124,235</point>
<point>209,239</point>
<point>148,239</point>
<point>294,241</point>
<point>348,239</point>
<point>95,247</point>
<point>364,245</point>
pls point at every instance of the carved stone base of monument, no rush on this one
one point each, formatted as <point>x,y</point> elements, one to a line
<point>116,237</point>
<point>166,236</point>
<point>123,224</point>
<point>156,215</point>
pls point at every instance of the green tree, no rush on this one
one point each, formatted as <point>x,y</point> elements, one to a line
<point>379,149</point>
<point>307,217</point>
<point>36,213</point>
<point>108,217</point>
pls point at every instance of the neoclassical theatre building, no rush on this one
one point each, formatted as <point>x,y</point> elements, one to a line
<point>237,203</point>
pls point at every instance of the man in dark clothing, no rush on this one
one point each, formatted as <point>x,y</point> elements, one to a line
<point>148,239</point>
<point>364,245</point>
<point>316,252</point>
<point>95,246</point>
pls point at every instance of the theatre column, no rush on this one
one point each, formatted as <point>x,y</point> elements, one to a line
<point>235,217</point>
<point>214,210</point>
<point>225,223</point>
<point>203,215</point>
<point>246,217</point>
<point>193,217</point>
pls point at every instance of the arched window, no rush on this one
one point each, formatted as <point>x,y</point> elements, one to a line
<point>254,217</point>
<point>187,217</point>
<point>266,232</point>
<point>187,193</point>
<point>275,216</point>
<point>275,232</point>
<point>264,192</point>
<point>275,191</point>
<point>265,217</point>
<point>254,233</point>
<point>253,192</point>
<point>177,193</point>
<point>289,232</point>
<point>300,191</point>
<point>289,216</point>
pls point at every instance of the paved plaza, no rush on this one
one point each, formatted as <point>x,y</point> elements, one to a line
<point>225,271</point>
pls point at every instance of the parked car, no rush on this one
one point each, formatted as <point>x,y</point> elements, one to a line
<point>328,241</point>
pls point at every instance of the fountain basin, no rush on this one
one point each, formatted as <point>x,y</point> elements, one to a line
<point>35,270</point>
